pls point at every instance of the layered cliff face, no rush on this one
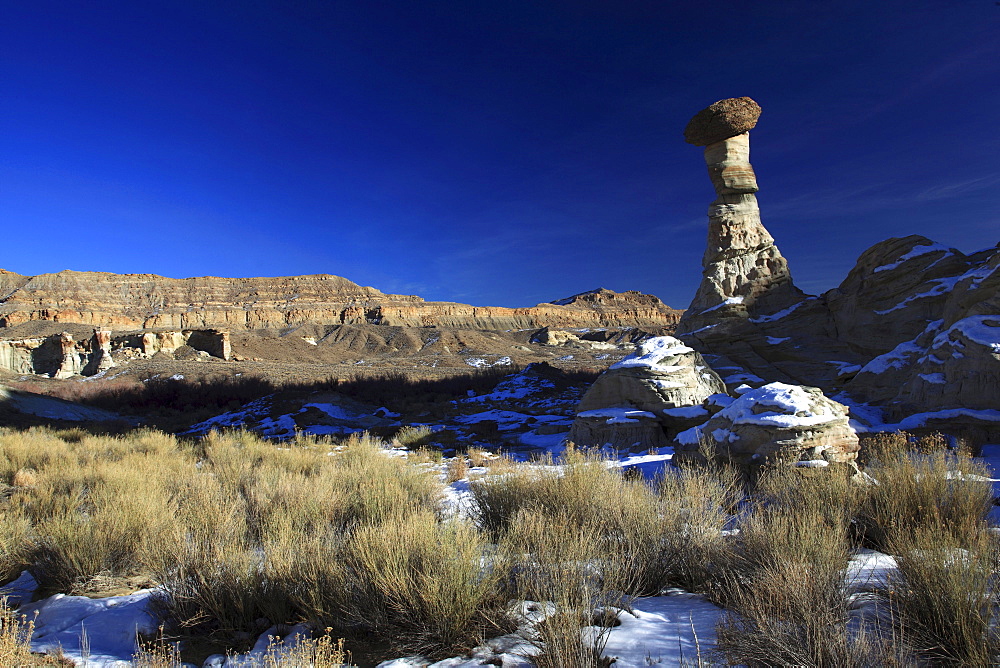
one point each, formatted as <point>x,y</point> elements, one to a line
<point>147,301</point>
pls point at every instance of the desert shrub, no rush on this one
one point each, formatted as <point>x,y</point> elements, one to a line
<point>944,596</point>
<point>662,537</point>
<point>479,457</point>
<point>424,583</point>
<point>580,487</point>
<point>689,547</point>
<point>269,526</point>
<point>784,587</point>
<point>412,437</point>
<point>458,468</point>
<point>96,509</point>
<point>560,562</point>
<point>914,490</point>
<point>15,532</point>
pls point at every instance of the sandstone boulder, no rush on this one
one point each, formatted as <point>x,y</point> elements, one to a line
<point>774,424</point>
<point>642,400</point>
<point>722,120</point>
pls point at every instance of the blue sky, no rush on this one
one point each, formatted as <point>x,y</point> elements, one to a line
<point>501,153</point>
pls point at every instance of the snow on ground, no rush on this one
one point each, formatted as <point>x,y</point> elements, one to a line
<point>20,590</point>
<point>93,632</point>
<point>482,362</point>
<point>671,630</point>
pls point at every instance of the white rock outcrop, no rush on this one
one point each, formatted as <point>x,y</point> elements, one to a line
<point>641,401</point>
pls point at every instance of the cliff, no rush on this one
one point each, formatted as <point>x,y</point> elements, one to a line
<point>148,301</point>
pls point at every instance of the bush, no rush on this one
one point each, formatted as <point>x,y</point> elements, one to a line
<point>784,588</point>
<point>424,584</point>
<point>944,596</point>
<point>558,561</point>
<point>934,489</point>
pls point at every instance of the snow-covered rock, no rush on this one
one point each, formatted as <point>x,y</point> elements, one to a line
<point>639,401</point>
<point>776,423</point>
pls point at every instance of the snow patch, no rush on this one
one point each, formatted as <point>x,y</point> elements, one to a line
<point>794,408</point>
<point>652,352</point>
<point>917,251</point>
<point>782,313</point>
<point>617,415</point>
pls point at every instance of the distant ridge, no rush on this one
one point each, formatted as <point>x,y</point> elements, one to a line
<point>148,301</point>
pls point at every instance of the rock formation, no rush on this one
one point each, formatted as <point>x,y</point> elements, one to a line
<point>61,356</point>
<point>744,273</point>
<point>952,365</point>
<point>913,328</point>
<point>100,353</point>
<point>145,301</point>
<point>774,424</point>
<point>643,400</point>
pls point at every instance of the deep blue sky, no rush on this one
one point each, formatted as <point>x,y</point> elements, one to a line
<point>496,152</point>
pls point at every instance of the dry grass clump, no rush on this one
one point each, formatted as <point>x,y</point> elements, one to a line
<point>927,487</point>
<point>479,457</point>
<point>411,437</point>
<point>425,584</point>
<point>559,562</point>
<point>15,638</point>
<point>15,642</point>
<point>662,535</point>
<point>458,468</point>
<point>784,589</point>
<point>261,523</point>
<point>944,597</point>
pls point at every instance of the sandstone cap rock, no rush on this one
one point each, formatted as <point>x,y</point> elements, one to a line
<point>722,120</point>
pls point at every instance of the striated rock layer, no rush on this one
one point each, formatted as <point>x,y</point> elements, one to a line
<point>744,273</point>
<point>147,301</point>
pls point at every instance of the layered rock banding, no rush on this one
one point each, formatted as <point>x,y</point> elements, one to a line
<point>743,269</point>
<point>146,301</point>
<point>642,401</point>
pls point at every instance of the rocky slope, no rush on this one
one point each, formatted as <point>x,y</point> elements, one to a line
<point>914,328</point>
<point>147,301</point>
<point>909,340</point>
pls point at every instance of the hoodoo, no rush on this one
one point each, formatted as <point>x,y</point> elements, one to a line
<point>743,269</point>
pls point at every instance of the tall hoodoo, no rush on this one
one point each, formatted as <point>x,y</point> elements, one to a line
<point>743,270</point>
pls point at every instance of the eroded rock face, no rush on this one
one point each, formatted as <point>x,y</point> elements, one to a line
<point>146,301</point>
<point>771,425</point>
<point>100,353</point>
<point>744,273</point>
<point>61,356</point>
<point>642,400</point>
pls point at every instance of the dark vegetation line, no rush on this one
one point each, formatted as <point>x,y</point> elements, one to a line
<point>173,403</point>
